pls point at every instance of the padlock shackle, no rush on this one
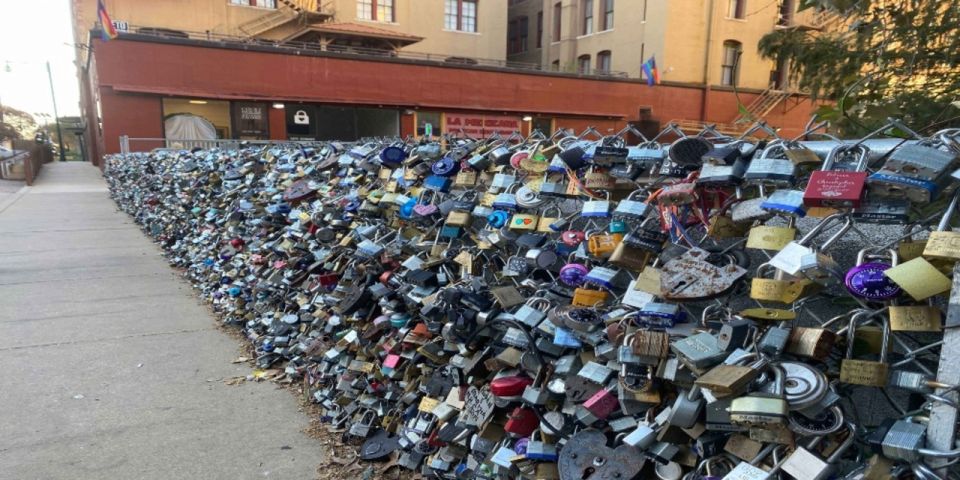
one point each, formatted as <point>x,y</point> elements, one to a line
<point>852,332</point>
<point>948,214</point>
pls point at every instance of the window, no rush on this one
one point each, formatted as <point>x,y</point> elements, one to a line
<point>523,28</point>
<point>785,17</point>
<point>736,8</point>
<point>603,61</point>
<point>376,10</point>
<point>583,64</point>
<point>607,20</point>
<point>517,35</point>
<point>731,62</point>
<point>460,15</point>
<point>432,118</point>
<point>587,17</point>
<point>540,29</point>
<point>255,3</point>
<point>557,12</point>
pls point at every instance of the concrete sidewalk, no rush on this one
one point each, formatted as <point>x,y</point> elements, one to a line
<point>111,368</point>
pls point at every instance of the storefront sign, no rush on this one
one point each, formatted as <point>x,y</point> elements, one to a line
<point>250,120</point>
<point>482,125</point>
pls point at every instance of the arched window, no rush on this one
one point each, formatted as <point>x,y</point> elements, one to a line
<point>603,61</point>
<point>730,68</point>
<point>583,64</point>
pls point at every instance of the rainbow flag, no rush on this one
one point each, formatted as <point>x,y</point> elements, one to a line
<point>106,25</point>
<point>650,70</point>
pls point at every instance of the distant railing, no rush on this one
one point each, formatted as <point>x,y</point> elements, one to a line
<point>131,144</point>
<point>30,157</point>
<point>299,48</point>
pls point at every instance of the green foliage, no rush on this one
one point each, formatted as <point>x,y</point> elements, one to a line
<point>16,124</point>
<point>883,58</point>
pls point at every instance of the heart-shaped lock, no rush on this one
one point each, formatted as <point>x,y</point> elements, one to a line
<point>586,455</point>
<point>572,238</point>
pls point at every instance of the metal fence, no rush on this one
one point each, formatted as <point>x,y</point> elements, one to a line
<point>26,163</point>
<point>131,144</point>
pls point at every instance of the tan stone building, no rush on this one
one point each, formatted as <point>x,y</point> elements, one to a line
<point>694,41</point>
<point>455,28</point>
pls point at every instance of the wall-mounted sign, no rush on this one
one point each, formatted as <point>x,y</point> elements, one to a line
<point>482,125</point>
<point>301,122</point>
<point>120,25</point>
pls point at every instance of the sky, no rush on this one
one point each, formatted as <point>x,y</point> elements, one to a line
<point>31,33</point>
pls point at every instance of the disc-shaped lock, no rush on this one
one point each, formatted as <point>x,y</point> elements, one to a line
<point>866,279</point>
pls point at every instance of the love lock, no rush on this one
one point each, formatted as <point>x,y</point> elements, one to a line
<point>692,277</point>
<point>586,456</point>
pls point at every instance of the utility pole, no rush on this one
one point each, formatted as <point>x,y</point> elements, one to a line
<point>56,115</point>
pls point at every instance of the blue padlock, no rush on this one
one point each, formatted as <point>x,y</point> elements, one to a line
<point>498,218</point>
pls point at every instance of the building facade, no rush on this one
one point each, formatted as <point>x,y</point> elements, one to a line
<point>348,69</point>
<point>695,42</point>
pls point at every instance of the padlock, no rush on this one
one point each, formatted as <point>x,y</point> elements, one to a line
<point>507,199</point>
<point>866,280</point>
<point>769,168</point>
<point>828,187</point>
<point>598,179</point>
<point>944,244</point>
<point>917,172</point>
<point>915,318</point>
<point>919,278</point>
<point>771,237</point>
<point>785,201</point>
<point>680,193</point>
<point>803,464</point>
<point>816,343</point>
<point>532,312</point>
<point>596,208</point>
<point>730,379</point>
<point>722,172</point>
<point>691,276</point>
<point>602,244</point>
<point>523,222</point>
<point>797,258</point>
<point>585,297</point>
<point>865,372</point>
<point>883,211</point>
<point>546,218</point>
<point>761,409</point>
<point>466,178</point>
<point>629,257</point>
<point>765,288</point>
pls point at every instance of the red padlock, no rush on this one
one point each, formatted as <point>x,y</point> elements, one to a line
<point>509,385</point>
<point>572,238</point>
<point>838,188</point>
<point>522,422</point>
<point>602,403</point>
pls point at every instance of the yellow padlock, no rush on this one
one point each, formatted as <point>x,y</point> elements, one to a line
<point>523,222</point>
<point>603,244</point>
<point>584,297</point>
<point>919,278</point>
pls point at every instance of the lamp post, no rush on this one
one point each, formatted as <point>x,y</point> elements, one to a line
<point>56,115</point>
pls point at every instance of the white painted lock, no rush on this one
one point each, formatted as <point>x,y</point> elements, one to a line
<point>301,118</point>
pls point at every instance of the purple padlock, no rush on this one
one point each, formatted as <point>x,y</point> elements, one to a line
<point>866,279</point>
<point>572,274</point>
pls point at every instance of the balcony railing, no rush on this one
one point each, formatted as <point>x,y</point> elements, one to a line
<point>300,48</point>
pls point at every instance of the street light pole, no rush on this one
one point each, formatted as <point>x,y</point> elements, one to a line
<point>56,115</point>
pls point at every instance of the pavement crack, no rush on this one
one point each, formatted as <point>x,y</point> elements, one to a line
<point>99,340</point>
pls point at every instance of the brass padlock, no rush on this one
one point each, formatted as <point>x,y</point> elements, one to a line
<point>865,372</point>
<point>631,258</point>
<point>816,343</point>
<point>459,219</point>
<point>944,244</point>
<point>915,318</point>
<point>767,237</point>
<point>919,278</point>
